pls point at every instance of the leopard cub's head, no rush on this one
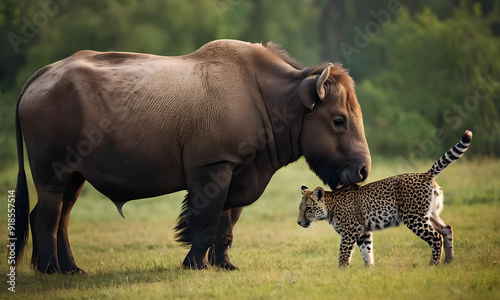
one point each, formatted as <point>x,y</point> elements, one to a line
<point>312,208</point>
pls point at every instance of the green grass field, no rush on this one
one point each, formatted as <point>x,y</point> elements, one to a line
<point>137,257</point>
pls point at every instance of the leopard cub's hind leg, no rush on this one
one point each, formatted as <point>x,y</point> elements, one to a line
<point>365,243</point>
<point>422,227</point>
<point>447,232</point>
<point>440,226</point>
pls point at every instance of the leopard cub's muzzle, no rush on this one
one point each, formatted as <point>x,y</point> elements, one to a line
<point>302,220</point>
<point>304,223</point>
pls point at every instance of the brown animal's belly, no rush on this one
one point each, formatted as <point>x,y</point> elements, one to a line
<point>122,178</point>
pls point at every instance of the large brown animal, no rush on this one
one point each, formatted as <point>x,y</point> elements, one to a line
<point>218,123</point>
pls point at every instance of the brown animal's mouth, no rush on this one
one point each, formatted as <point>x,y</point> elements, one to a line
<point>338,174</point>
<point>352,175</point>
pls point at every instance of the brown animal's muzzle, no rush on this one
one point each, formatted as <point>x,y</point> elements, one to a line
<point>354,174</point>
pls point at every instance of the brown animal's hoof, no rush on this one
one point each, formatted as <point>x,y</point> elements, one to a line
<point>227,265</point>
<point>76,271</point>
<point>52,270</point>
<point>223,263</point>
<point>192,265</point>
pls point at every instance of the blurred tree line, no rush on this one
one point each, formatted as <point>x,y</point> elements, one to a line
<point>425,70</point>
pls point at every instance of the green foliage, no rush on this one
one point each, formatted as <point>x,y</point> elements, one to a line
<point>170,27</point>
<point>7,129</point>
<point>390,130</point>
<point>441,74</point>
<point>10,18</point>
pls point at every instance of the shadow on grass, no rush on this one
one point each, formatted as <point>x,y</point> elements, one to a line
<point>34,282</point>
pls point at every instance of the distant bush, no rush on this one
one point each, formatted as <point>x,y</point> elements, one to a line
<point>7,128</point>
<point>441,77</point>
<point>389,130</point>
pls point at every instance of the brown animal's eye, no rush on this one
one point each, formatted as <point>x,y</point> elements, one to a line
<point>339,123</point>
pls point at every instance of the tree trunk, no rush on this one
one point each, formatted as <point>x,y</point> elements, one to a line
<point>332,30</point>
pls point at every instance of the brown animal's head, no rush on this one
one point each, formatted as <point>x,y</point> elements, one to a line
<point>313,207</point>
<point>333,137</point>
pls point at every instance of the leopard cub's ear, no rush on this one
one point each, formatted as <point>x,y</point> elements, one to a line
<point>304,189</point>
<point>319,194</point>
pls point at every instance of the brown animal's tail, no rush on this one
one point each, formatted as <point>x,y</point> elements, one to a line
<point>451,155</point>
<point>22,205</point>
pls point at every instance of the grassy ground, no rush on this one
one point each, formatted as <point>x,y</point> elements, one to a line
<point>137,257</point>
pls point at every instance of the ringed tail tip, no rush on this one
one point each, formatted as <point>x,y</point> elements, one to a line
<point>451,155</point>
<point>467,137</point>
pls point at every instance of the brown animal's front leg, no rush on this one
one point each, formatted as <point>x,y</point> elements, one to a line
<point>218,254</point>
<point>199,218</point>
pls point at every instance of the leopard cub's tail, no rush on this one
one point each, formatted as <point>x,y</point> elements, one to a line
<point>451,155</point>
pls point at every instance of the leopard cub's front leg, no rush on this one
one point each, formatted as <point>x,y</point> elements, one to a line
<point>348,238</point>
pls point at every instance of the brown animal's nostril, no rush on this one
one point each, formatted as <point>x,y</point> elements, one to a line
<point>364,173</point>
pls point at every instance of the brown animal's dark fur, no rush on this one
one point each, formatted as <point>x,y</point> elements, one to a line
<point>281,52</point>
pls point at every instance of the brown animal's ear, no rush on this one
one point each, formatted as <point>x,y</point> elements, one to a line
<point>307,92</point>
<point>304,189</point>
<point>319,194</point>
<point>312,88</point>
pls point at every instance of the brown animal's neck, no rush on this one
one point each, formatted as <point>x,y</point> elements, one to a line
<point>285,114</point>
<point>281,110</point>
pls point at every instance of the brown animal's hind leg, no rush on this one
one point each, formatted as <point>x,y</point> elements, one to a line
<point>423,229</point>
<point>218,254</point>
<point>199,218</point>
<point>46,224</point>
<point>64,254</point>
<point>34,254</point>
<point>447,232</point>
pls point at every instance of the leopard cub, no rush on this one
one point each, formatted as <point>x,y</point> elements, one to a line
<point>414,199</point>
